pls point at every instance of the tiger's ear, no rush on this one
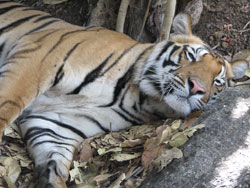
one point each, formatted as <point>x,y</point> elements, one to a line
<point>182,24</point>
<point>238,69</point>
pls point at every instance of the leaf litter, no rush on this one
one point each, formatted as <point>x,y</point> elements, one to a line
<point>117,159</point>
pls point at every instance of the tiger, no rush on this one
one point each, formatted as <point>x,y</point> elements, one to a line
<point>66,83</point>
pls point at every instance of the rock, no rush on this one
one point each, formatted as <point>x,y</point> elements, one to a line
<point>224,44</point>
<point>104,15</point>
<point>218,155</point>
<point>218,35</point>
<point>194,8</point>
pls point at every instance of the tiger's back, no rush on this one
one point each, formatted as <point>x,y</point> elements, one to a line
<point>73,82</point>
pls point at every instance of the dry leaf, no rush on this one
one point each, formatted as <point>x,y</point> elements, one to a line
<point>132,143</point>
<point>12,168</point>
<point>76,174</point>
<point>103,151</point>
<point>178,140</point>
<point>176,124</point>
<point>160,129</point>
<point>191,119</point>
<point>149,155</point>
<point>166,157</point>
<point>118,181</point>
<point>248,72</point>
<point>85,152</point>
<point>102,178</point>
<point>166,134</point>
<point>124,156</point>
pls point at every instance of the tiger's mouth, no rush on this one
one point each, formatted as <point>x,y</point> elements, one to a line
<point>183,103</point>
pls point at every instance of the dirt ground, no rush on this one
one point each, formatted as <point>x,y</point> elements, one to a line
<point>224,24</point>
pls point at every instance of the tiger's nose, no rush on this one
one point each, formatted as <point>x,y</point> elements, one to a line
<point>194,87</point>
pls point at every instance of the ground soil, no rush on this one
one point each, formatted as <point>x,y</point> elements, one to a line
<point>221,25</point>
<point>224,24</point>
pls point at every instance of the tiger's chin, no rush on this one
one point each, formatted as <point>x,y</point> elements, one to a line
<point>180,105</point>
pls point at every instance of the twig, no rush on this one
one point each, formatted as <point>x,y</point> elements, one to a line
<point>241,31</point>
<point>243,84</point>
<point>246,25</point>
<point>122,15</point>
<point>144,20</point>
<point>168,19</point>
<point>216,46</point>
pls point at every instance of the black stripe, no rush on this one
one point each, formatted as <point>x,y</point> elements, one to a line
<point>16,23</point>
<point>61,39</point>
<point>180,55</point>
<point>6,63</point>
<point>142,53</point>
<point>200,48</point>
<point>42,18</point>
<point>41,135</point>
<point>164,49</point>
<point>125,118</point>
<point>55,152</point>
<point>155,84</point>
<point>89,27</point>
<point>66,126</point>
<point>46,35</point>
<point>71,51</point>
<point>1,48</point>
<point>53,142</point>
<point>142,98</point>
<point>139,120</point>
<point>121,83</point>
<point>118,59</point>
<point>167,88</point>
<point>28,8</point>
<point>193,49</point>
<point>183,82</point>
<point>13,103</point>
<point>92,76</point>
<point>41,27</point>
<point>36,131</point>
<point>168,61</point>
<point>177,81</point>
<point>64,148</point>
<point>174,49</point>
<point>3,119</point>
<point>97,123</point>
<point>3,72</point>
<point>151,70</point>
<point>135,107</point>
<point>31,50</point>
<point>59,75</point>
<point>7,9</point>
<point>192,57</point>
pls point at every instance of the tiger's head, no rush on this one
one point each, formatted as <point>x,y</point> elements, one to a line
<point>185,72</point>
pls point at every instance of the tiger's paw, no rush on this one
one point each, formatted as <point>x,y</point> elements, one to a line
<point>49,176</point>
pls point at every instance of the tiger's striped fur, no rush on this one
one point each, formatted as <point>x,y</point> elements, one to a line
<point>72,82</point>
